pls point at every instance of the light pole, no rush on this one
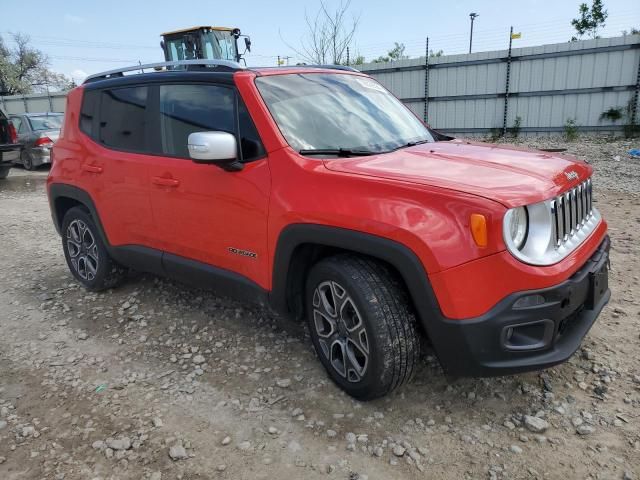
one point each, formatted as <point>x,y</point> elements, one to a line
<point>473,16</point>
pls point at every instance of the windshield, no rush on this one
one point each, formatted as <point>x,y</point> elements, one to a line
<point>338,111</point>
<point>45,122</point>
<point>219,44</point>
<point>211,45</point>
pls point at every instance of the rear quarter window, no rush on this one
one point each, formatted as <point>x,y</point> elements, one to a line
<point>122,123</point>
<point>90,101</point>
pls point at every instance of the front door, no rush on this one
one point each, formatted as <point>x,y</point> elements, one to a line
<point>203,212</point>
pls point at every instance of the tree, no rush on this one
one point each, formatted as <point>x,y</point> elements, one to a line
<point>590,19</point>
<point>437,54</point>
<point>24,69</point>
<point>356,59</point>
<point>396,53</point>
<point>329,34</point>
<point>632,31</point>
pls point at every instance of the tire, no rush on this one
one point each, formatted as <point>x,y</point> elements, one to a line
<point>372,300</point>
<point>27,161</point>
<point>4,172</point>
<point>86,253</point>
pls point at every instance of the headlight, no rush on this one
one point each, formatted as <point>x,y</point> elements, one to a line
<point>544,233</point>
<point>517,226</point>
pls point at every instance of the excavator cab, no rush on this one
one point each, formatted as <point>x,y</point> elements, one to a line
<point>204,43</point>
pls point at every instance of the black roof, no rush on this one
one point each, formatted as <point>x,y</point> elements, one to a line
<point>191,70</point>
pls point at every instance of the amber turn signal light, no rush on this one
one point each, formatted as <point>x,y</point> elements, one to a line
<point>479,229</point>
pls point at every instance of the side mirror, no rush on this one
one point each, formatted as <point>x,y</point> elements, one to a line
<point>247,43</point>
<point>219,148</point>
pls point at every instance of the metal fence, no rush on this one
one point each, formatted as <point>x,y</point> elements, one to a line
<point>34,103</point>
<point>545,86</point>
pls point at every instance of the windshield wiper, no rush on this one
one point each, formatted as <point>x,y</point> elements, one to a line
<point>340,152</point>
<point>411,144</point>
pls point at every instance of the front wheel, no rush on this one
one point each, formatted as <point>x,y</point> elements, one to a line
<point>86,253</point>
<point>4,172</point>
<point>362,325</point>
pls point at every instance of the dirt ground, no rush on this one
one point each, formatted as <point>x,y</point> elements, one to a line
<point>155,380</point>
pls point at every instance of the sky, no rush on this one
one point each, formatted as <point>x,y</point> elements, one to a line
<point>82,37</point>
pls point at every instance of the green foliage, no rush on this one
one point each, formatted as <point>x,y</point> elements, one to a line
<point>437,54</point>
<point>356,60</point>
<point>24,69</point>
<point>495,134</point>
<point>589,19</point>
<point>570,129</point>
<point>515,129</point>
<point>396,53</point>
<point>613,114</point>
<point>632,31</point>
<point>631,131</point>
<point>630,127</point>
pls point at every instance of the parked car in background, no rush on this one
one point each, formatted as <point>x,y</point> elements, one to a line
<point>9,147</point>
<point>36,133</point>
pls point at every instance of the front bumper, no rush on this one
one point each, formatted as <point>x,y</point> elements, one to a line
<point>519,335</point>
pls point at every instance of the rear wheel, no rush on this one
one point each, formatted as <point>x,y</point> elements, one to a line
<point>27,161</point>
<point>361,325</point>
<point>86,253</point>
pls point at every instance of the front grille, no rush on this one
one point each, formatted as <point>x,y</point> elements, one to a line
<point>571,210</point>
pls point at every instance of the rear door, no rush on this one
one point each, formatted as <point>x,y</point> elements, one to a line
<point>203,212</point>
<point>115,169</point>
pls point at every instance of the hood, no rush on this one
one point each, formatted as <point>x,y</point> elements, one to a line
<point>512,176</point>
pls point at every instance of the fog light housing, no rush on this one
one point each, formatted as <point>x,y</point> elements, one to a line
<point>528,336</point>
<point>529,301</point>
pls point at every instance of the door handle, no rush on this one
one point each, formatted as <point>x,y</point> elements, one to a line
<point>92,168</point>
<point>165,182</point>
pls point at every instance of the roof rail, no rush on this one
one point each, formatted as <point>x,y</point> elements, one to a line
<point>333,67</point>
<point>119,72</point>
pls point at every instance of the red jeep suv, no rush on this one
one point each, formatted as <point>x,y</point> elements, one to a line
<point>315,191</point>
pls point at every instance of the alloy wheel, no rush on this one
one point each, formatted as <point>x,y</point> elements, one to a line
<point>341,332</point>
<point>83,250</point>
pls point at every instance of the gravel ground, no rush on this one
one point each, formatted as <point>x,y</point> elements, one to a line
<point>158,381</point>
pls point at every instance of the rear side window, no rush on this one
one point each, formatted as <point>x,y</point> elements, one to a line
<point>123,118</point>
<point>88,111</point>
<point>17,124</point>
<point>185,109</point>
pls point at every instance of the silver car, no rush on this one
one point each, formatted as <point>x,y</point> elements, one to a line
<point>36,132</point>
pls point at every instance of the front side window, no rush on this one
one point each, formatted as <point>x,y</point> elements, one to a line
<point>317,111</point>
<point>123,118</point>
<point>185,109</point>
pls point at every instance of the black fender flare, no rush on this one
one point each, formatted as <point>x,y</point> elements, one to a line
<point>398,255</point>
<point>134,256</point>
<point>62,190</point>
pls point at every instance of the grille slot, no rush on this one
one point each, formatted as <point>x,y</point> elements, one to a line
<point>570,211</point>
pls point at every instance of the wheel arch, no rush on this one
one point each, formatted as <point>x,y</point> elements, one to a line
<point>63,197</point>
<point>299,246</point>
